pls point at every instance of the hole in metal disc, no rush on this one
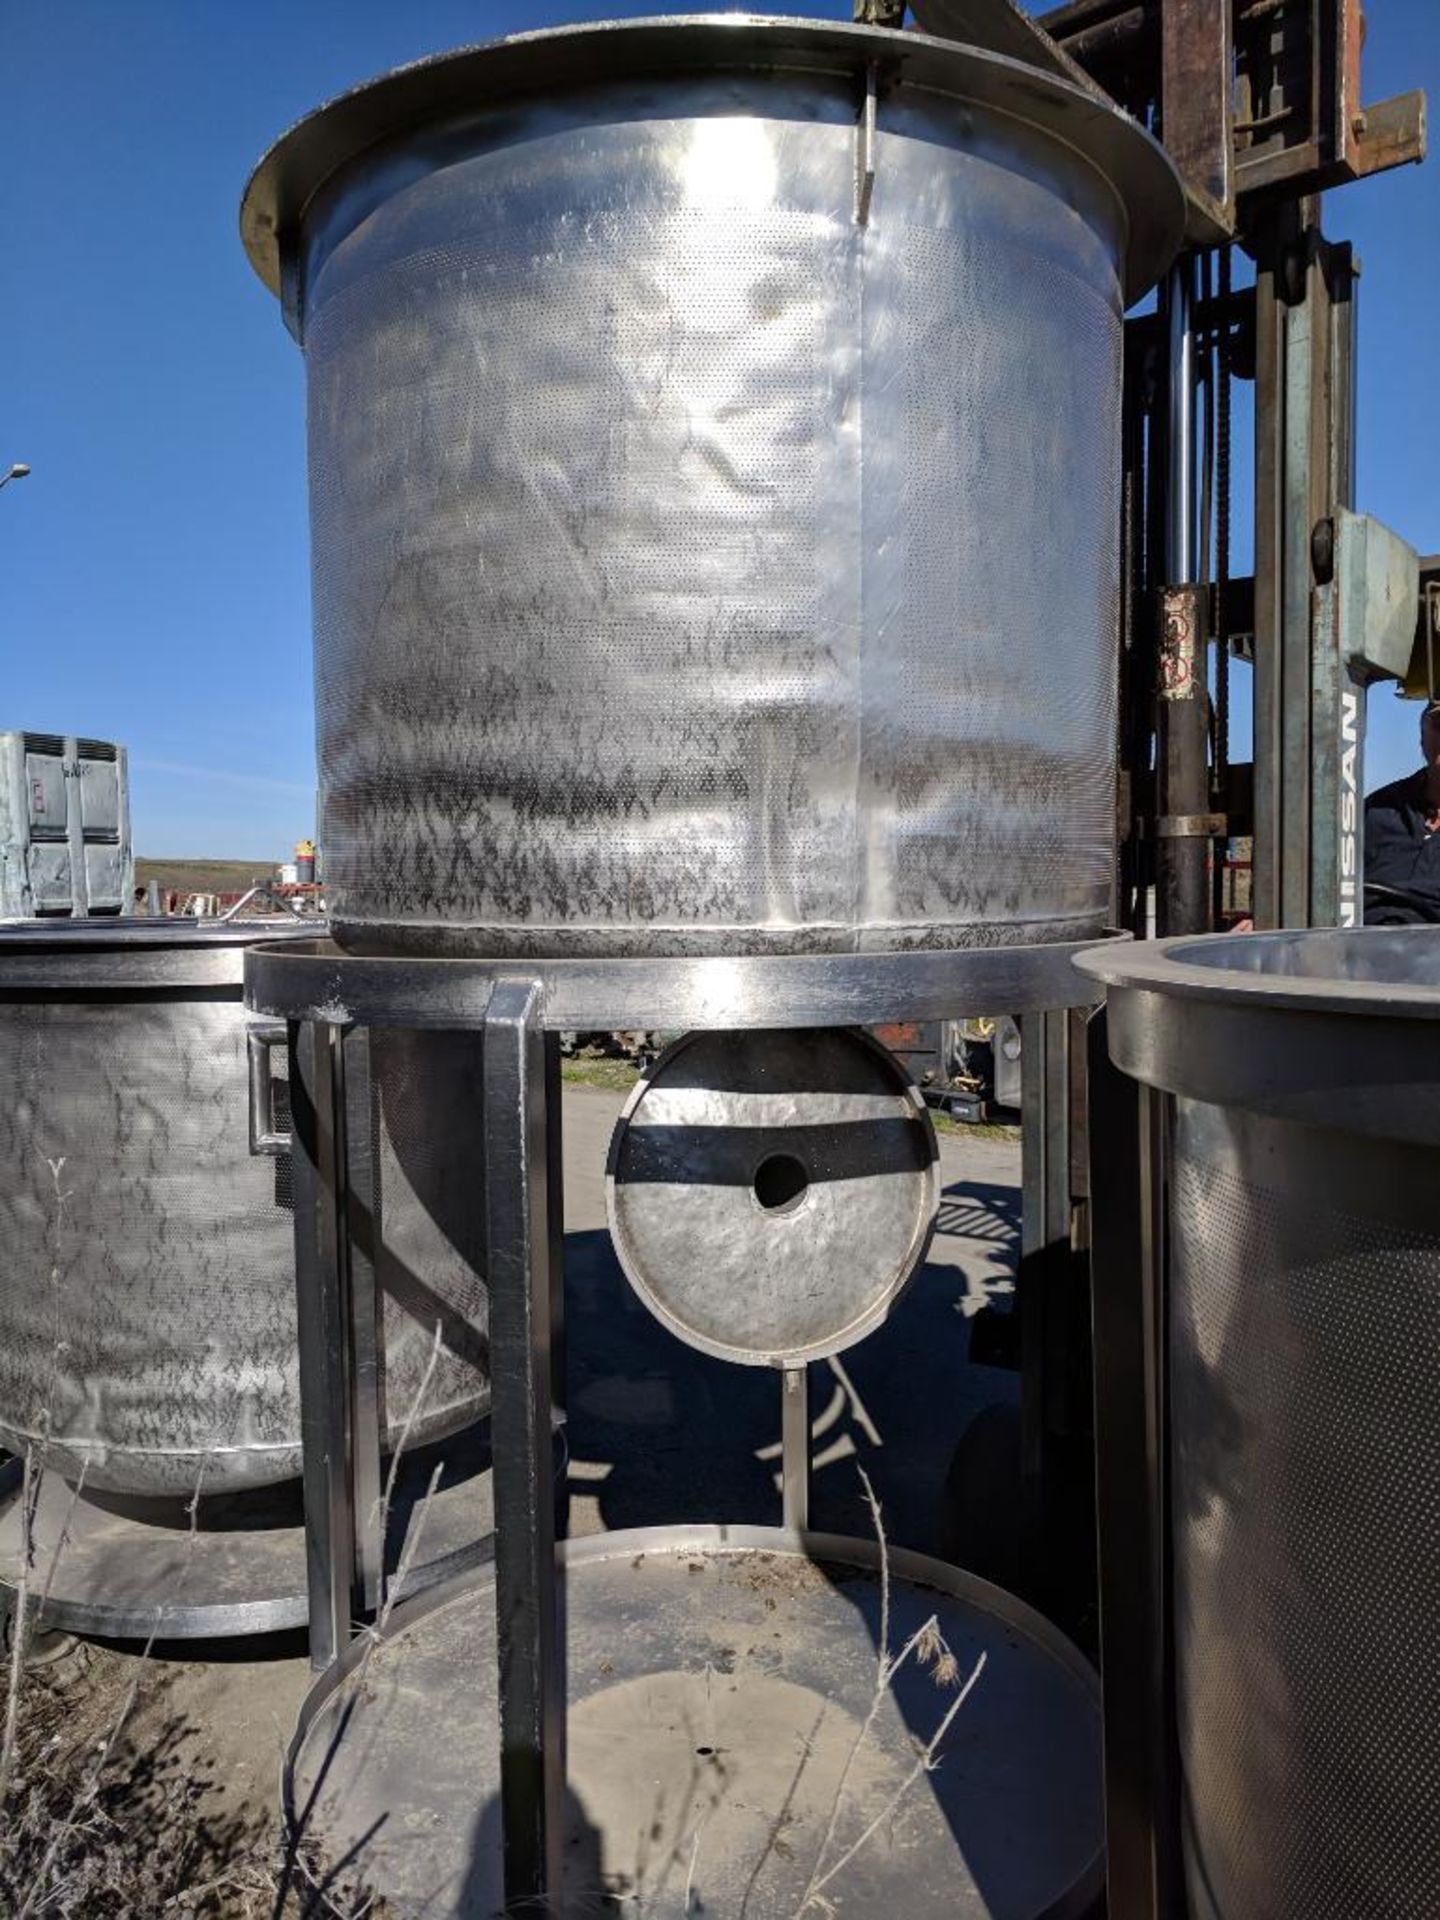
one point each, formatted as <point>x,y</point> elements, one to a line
<point>780,1183</point>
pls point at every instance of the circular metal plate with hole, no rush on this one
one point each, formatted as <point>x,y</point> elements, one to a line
<point>728,1749</point>
<point>771,1194</point>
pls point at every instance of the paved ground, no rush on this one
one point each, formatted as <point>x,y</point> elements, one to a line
<point>661,1433</point>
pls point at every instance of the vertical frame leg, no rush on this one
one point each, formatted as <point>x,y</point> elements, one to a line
<point>357,1166</point>
<point>1141,1774</point>
<point>316,1102</point>
<point>795,1447</point>
<point>1046,1283</point>
<point>555,1226</point>
<point>518,1148</point>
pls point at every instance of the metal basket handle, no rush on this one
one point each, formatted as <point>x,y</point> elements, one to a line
<point>265,1136</point>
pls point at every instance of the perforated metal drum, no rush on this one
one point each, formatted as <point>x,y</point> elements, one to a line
<point>147,1289</point>
<point>714,502</point>
<point>1304,1343</point>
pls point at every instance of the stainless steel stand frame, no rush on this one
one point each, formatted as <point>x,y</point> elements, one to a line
<point>329,1000</point>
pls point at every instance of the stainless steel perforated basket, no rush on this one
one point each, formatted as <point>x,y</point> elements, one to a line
<point>713,500</point>
<point>147,1286</point>
<point>1304,1345</point>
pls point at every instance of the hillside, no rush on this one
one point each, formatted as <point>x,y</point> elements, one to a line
<point>205,876</point>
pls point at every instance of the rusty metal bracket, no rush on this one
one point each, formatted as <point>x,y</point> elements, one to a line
<point>1300,122</point>
<point>1259,100</point>
<point>1196,109</point>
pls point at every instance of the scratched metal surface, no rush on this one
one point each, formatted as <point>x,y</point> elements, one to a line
<point>147,1291</point>
<point>720,1706</point>
<point>759,1273</point>
<point>695,569</point>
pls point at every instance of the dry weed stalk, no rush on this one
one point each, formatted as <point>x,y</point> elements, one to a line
<point>90,1786</point>
<point>33,1474</point>
<point>393,1587</point>
<point>322,1895</point>
<point>928,1647</point>
<point>51,1812</point>
<point>62,1539</point>
<point>20,1627</point>
<point>101,1826</point>
<point>84,1834</point>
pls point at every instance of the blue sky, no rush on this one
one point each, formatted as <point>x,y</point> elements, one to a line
<point>154,582</point>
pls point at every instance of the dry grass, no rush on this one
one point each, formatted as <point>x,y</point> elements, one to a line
<point>108,1808</point>
<point>96,1822</point>
<point>97,1826</point>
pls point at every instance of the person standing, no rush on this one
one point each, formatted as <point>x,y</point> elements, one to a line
<point>1402,840</point>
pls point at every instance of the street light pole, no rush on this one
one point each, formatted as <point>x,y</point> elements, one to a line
<point>18,471</point>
